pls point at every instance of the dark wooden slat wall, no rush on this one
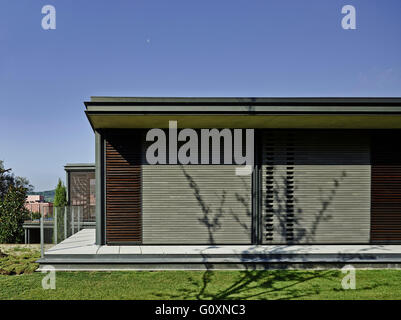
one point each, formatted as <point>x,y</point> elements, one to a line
<point>386,187</point>
<point>123,188</point>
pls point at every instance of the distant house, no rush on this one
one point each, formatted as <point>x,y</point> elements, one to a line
<point>35,198</point>
<point>37,203</point>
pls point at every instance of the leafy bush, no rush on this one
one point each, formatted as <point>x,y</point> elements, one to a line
<point>13,192</point>
<point>12,215</point>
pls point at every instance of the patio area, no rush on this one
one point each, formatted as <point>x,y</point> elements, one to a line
<point>79,252</point>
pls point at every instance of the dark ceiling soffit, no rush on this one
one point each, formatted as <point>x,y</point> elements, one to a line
<point>79,165</point>
<point>318,103</point>
<point>80,169</point>
<point>90,121</point>
<point>89,113</point>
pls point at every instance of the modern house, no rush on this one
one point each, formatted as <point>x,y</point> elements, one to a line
<point>325,173</point>
<point>81,186</point>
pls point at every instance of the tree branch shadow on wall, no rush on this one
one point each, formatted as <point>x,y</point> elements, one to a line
<point>253,283</point>
<point>302,234</point>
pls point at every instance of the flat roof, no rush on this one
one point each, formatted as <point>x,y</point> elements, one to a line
<point>244,112</point>
<point>97,100</point>
<point>79,166</point>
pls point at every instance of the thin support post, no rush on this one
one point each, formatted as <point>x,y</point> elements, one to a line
<point>42,238</point>
<point>55,225</point>
<point>72,220</point>
<point>79,218</point>
<point>65,222</point>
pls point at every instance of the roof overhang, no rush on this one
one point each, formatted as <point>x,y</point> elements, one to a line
<point>302,113</point>
<point>80,167</point>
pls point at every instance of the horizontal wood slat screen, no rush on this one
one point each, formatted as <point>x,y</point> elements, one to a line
<point>123,188</point>
<point>386,187</point>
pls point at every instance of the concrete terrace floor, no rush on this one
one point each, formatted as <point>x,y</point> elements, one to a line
<point>79,252</point>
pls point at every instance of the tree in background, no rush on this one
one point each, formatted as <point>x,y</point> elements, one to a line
<point>60,200</point>
<point>60,197</point>
<point>13,191</point>
<point>8,179</point>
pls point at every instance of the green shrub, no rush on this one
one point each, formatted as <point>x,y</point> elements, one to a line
<point>35,215</point>
<point>12,215</point>
<point>18,261</point>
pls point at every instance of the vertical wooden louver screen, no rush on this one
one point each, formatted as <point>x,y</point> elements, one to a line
<point>315,187</point>
<point>278,186</point>
<point>386,187</point>
<point>123,188</point>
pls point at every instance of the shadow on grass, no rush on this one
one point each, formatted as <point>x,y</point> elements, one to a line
<point>253,284</point>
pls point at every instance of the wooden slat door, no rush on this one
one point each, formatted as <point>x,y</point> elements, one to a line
<point>123,188</point>
<point>386,187</point>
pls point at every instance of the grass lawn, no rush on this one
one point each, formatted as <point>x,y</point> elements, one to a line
<point>326,284</point>
<point>277,284</point>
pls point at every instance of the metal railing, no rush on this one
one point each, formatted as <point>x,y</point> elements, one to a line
<point>61,223</point>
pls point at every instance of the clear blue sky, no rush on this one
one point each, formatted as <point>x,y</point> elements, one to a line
<point>176,48</point>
